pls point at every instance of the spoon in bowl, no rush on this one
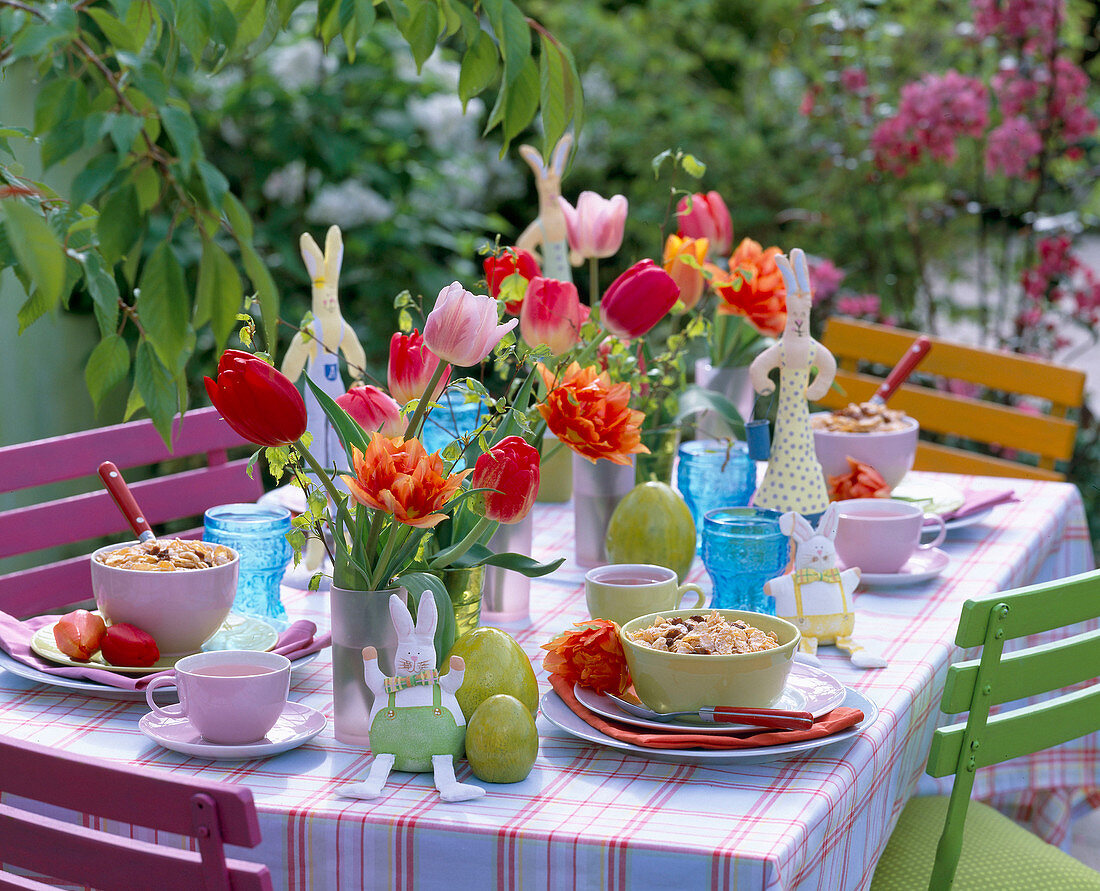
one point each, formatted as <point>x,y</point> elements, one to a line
<point>124,498</point>
<point>776,718</point>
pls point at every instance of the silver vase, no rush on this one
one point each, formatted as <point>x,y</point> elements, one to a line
<point>506,597</point>
<point>597,490</point>
<point>734,383</point>
<point>359,619</point>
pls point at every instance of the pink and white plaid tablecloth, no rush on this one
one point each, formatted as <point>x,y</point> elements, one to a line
<point>591,817</point>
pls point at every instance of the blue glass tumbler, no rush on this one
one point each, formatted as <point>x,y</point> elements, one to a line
<point>713,473</point>
<point>742,549</point>
<point>452,418</point>
<point>258,533</point>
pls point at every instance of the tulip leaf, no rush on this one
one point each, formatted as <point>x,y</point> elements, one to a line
<point>697,399</point>
<point>350,433</point>
<point>480,555</point>
<point>419,583</point>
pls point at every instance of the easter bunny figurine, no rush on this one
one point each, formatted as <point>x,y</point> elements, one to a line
<point>548,228</point>
<point>794,479</point>
<point>416,723</point>
<point>814,594</point>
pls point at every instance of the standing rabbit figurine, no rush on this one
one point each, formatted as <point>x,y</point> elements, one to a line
<point>814,594</point>
<point>794,479</point>
<point>548,228</point>
<point>416,723</point>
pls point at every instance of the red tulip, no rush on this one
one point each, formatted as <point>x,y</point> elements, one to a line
<point>708,218</point>
<point>511,468</point>
<point>552,314</point>
<point>78,634</point>
<point>638,299</point>
<point>126,644</point>
<point>257,400</point>
<point>373,409</point>
<point>412,365</point>
<point>499,272</point>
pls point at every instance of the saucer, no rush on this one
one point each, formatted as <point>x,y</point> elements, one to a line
<point>921,567</point>
<point>296,725</point>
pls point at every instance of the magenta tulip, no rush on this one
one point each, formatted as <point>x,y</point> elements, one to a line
<point>463,329</point>
<point>709,218</point>
<point>257,400</point>
<point>373,410</point>
<point>638,299</point>
<point>595,227</point>
<point>552,314</point>
<point>411,367</point>
<point>511,470</point>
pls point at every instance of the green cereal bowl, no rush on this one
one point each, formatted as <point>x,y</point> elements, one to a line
<point>673,682</point>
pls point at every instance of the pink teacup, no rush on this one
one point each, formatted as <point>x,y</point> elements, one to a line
<point>879,535</point>
<point>231,697</point>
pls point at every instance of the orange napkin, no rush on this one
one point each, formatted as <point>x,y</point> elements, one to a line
<point>838,719</point>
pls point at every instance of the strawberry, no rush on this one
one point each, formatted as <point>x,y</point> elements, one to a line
<point>128,645</point>
<point>79,634</point>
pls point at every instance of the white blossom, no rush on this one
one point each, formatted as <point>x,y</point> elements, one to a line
<point>301,65</point>
<point>287,184</point>
<point>348,204</point>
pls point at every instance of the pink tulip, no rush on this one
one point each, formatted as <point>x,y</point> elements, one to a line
<point>373,409</point>
<point>638,299</point>
<point>551,314</point>
<point>595,228</point>
<point>463,329</point>
<point>412,365</point>
<point>708,218</point>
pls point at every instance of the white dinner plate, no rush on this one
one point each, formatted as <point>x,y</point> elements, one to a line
<point>921,567</point>
<point>562,717</point>
<point>808,689</point>
<point>296,725</point>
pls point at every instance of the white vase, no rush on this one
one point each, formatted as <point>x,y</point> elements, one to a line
<point>597,490</point>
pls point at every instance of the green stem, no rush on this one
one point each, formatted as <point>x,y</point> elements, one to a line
<point>593,282</point>
<point>387,551</point>
<point>413,430</point>
<point>448,555</point>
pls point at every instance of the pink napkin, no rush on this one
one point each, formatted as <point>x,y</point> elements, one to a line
<point>300,639</point>
<point>977,501</point>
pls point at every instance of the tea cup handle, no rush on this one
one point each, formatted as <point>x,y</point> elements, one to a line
<point>684,589</point>
<point>940,535</point>
<point>162,681</point>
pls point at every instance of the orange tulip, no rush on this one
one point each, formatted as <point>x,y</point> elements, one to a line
<point>591,656</point>
<point>592,416</point>
<point>689,276</point>
<point>402,479</point>
<point>762,296</point>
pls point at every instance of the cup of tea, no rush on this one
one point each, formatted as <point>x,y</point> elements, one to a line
<point>231,697</point>
<point>879,535</point>
<point>624,591</point>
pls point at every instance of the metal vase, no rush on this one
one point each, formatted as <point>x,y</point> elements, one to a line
<point>597,490</point>
<point>506,597</point>
<point>359,619</point>
<point>555,472</point>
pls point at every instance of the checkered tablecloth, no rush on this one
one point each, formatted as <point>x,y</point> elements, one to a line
<point>591,817</point>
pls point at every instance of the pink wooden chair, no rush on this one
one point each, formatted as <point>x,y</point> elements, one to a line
<point>213,814</point>
<point>180,494</point>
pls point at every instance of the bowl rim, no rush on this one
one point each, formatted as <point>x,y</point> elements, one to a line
<point>627,643</point>
<point>911,425</point>
<point>156,572</point>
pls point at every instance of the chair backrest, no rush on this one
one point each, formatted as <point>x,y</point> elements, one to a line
<point>997,677</point>
<point>1043,432</point>
<point>212,814</point>
<point>173,493</point>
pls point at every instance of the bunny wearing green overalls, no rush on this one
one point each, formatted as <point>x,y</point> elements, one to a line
<point>416,723</point>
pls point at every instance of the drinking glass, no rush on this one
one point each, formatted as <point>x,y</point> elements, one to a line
<point>451,419</point>
<point>742,549</point>
<point>713,473</point>
<point>258,533</point>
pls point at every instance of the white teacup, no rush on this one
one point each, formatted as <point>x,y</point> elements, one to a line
<point>624,591</point>
<point>879,535</point>
<point>231,697</point>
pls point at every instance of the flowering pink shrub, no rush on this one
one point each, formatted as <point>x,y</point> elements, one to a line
<point>825,277</point>
<point>1012,146</point>
<point>1033,23</point>
<point>868,305</point>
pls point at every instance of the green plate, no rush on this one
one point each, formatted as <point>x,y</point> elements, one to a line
<point>237,633</point>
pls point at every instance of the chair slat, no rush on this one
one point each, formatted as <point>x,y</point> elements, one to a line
<point>1025,673</point>
<point>1021,731</point>
<point>1067,602</point>
<point>947,459</point>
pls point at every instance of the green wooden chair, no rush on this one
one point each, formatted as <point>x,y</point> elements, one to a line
<point>948,841</point>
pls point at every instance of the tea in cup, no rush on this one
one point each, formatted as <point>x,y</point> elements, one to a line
<point>231,697</point>
<point>624,591</point>
<point>879,535</point>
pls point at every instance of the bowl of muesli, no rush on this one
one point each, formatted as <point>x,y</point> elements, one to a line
<point>681,660</point>
<point>177,590</point>
<point>885,438</point>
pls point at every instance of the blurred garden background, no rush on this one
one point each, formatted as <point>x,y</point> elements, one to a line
<point>938,161</point>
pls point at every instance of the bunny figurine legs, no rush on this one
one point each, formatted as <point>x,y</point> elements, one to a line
<point>375,782</point>
<point>450,789</point>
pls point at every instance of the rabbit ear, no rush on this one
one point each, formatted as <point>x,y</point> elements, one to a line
<point>402,618</point>
<point>788,273</point>
<point>334,254</point>
<point>312,256</point>
<point>561,153</point>
<point>801,270</point>
<point>827,525</point>
<point>531,155</point>
<point>426,616</point>
<point>798,528</point>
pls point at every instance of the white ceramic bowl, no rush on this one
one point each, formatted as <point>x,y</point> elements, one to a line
<point>890,453</point>
<point>181,609</point>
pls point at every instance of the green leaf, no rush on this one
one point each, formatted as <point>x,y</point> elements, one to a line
<point>266,292</point>
<point>239,220</point>
<point>119,222</point>
<point>333,16</point>
<point>123,130</point>
<point>350,433</point>
<point>522,101</point>
<point>417,583</point>
<point>148,183</point>
<point>33,308</point>
<point>56,102</point>
<point>219,296</point>
<point>693,167</point>
<point>479,67</point>
<point>552,93</point>
<point>115,31</point>
<point>479,555</point>
<point>156,388</point>
<point>193,27</point>
<point>215,182</point>
<point>104,290</point>
<point>696,399</point>
<point>423,33</point>
<point>513,34</point>
<point>38,250</point>
<point>41,35</point>
<point>107,367</point>
<point>94,178</point>
<point>163,309</point>
<point>183,133</point>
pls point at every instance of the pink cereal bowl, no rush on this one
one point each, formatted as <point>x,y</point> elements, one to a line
<point>890,453</point>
